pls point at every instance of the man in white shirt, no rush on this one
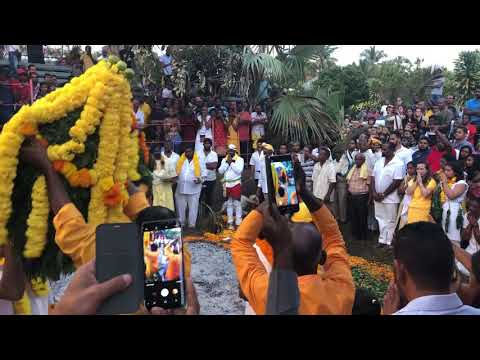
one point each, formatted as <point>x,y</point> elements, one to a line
<point>424,268</point>
<point>231,168</point>
<point>166,61</point>
<point>386,177</point>
<point>139,115</point>
<point>208,161</point>
<point>189,187</point>
<point>324,179</point>
<point>259,119</point>
<point>168,153</point>
<point>255,161</point>
<point>401,152</point>
<point>262,189</point>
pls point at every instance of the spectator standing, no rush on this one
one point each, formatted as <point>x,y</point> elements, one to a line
<point>307,165</point>
<point>262,189</point>
<point>189,187</point>
<point>402,217</point>
<point>7,98</point>
<point>220,133</point>
<point>209,162</point>
<point>422,153</point>
<point>255,161</point>
<point>231,168</point>
<point>204,128</point>
<point>244,122</point>
<point>87,58</point>
<point>21,88</point>
<point>188,126</point>
<point>472,108</point>
<point>324,179</point>
<point>386,177</point>
<point>451,106</point>
<point>472,129</point>
<point>166,61</point>
<point>347,161</point>
<point>421,189</point>
<point>444,116</point>
<point>12,51</point>
<point>171,129</point>
<point>259,119</point>
<point>358,179</point>
<point>461,135</point>
<point>452,215</point>
<point>471,231</point>
<point>232,124</point>
<point>283,149</point>
<point>163,178</point>
<point>401,152</point>
<point>424,269</point>
<point>139,115</point>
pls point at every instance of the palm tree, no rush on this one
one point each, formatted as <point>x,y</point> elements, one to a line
<point>297,114</point>
<point>467,73</point>
<point>372,56</point>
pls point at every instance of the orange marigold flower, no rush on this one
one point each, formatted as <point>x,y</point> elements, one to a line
<point>113,197</point>
<point>84,179</point>
<point>28,129</point>
<point>58,165</point>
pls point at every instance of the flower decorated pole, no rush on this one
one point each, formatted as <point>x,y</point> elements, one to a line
<point>86,127</point>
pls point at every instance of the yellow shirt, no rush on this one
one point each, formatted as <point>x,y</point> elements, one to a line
<point>147,110</point>
<point>420,202</point>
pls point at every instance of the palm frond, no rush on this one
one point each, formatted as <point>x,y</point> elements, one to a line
<point>302,118</point>
<point>263,65</point>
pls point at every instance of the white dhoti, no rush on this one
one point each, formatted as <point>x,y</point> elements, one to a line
<point>237,205</point>
<point>386,215</point>
<point>190,200</point>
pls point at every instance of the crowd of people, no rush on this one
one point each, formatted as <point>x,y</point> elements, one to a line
<point>409,174</point>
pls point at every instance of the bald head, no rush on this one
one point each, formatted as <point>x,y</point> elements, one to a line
<point>307,248</point>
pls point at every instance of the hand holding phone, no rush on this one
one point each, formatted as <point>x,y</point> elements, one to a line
<point>281,182</point>
<point>164,268</point>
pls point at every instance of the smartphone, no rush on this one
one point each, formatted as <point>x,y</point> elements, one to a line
<point>164,284</point>
<point>118,252</point>
<point>282,188</point>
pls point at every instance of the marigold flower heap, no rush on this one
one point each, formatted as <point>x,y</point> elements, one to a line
<point>102,97</point>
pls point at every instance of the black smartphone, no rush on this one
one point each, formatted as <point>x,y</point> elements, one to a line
<point>118,252</point>
<point>164,268</point>
<point>282,188</point>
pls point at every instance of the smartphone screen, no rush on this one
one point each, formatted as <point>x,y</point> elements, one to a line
<point>282,187</point>
<point>164,273</point>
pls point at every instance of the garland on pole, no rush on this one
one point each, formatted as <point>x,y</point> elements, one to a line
<point>86,127</point>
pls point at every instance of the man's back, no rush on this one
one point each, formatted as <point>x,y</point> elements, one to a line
<point>331,292</point>
<point>449,304</point>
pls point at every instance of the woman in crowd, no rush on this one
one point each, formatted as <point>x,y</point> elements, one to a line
<point>454,188</point>
<point>421,189</point>
<point>465,151</point>
<point>163,178</point>
<point>402,218</point>
<point>471,231</point>
<point>472,167</point>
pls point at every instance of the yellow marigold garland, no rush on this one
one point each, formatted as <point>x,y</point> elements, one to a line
<point>37,220</point>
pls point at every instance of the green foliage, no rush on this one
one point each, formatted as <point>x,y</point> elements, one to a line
<point>467,74</point>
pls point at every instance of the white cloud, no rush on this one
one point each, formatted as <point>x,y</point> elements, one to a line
<point>443,55</point>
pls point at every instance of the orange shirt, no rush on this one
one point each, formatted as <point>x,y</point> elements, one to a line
<point>76,238</point>
<point>328,293</point>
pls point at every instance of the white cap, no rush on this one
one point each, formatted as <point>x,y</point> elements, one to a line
<point>232,147</point>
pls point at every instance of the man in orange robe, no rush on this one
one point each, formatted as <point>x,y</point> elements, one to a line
<point>331,292</point>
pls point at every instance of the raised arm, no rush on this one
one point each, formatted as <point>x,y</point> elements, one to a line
<point>12,281</point>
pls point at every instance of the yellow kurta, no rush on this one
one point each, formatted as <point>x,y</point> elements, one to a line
<point>232,137</point>
<point>419,208</point>
<point>162,189</point>
<point>147,110</point>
